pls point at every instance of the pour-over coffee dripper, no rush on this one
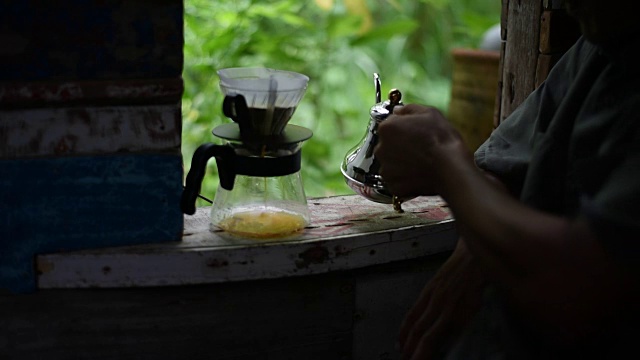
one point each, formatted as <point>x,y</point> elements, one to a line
<point>260,194</point>
<point>271,98</point>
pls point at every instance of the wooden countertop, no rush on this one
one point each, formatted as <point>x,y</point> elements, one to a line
<point>346,232</point>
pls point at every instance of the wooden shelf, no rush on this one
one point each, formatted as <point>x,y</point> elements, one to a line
<point>346,232</point>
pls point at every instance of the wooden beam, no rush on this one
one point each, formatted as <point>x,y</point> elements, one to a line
<point>504,16</point>
<point>521,54</point>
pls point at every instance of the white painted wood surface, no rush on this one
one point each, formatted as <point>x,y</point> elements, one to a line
<point>346,232</point>
<point>90,130</point>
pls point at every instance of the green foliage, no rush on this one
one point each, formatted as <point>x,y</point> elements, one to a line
<point>339,45</point>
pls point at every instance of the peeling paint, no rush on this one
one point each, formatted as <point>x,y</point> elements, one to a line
<point>315,255</point>
<point>217,263</point>
<point>340,251</point>
<point>44,266</point>
<point>88,131</point>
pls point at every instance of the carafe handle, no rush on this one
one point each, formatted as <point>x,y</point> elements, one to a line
<point>224,159</point>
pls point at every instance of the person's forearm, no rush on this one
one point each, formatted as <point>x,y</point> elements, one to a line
<point>555,271</point>
<point>508,236</point>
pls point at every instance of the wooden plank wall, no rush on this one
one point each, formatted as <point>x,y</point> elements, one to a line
<point>300,318</point>
<point>535,34</point>
<point>90,128</point>
<point>353,314</point>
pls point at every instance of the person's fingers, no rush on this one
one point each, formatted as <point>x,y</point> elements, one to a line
<point>410,109</point>
<point>387,128</point>
<point>431,343</point>
<point>393,183</point>
<point>414,315</point>
<point>419,329</point>
<point>430,322</point>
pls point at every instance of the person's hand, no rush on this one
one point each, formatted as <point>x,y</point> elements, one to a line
<point>445,306</point>
<point>415,145</point>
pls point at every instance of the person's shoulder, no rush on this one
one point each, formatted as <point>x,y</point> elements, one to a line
<point>580,53</point>
<point>581,49</point>
<point>566,70</point>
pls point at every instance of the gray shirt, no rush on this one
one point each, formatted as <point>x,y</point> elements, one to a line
<point>573,147</point>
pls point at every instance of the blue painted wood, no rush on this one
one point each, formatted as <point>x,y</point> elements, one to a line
<point>62,204</point>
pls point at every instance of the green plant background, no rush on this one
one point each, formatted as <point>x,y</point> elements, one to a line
<point>339,44</point>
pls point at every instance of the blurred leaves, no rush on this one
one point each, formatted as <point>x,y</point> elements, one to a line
<point>360,9</point>
<point>339,44</point>
<point>387,31</point>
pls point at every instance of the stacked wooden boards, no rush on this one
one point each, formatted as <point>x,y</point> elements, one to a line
<point>90,128</point>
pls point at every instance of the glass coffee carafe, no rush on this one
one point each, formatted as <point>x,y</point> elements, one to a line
<point>260,193</point>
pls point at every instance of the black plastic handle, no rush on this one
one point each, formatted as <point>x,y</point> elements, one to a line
<point>225,160</point>
<point>235,108</point>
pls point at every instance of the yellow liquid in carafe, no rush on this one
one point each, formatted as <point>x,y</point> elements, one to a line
<point>262,224</point>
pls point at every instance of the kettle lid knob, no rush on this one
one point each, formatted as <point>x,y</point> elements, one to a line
<point>395,98</point>
<point>382,109</point>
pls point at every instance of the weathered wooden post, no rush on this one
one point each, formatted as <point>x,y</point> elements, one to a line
<point>535,34</point>
<point>90,128</point>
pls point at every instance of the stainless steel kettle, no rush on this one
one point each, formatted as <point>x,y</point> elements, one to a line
<point>360,167</point>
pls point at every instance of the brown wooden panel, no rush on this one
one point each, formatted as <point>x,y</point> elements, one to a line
<point>299,318</point>
<point>384,296</point>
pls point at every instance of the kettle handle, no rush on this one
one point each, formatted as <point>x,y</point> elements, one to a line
<point>224,158</point>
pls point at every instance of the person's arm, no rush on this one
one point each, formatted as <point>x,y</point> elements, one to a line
<point>446,305</point>
<point>422,154</point>
<point>448,302</point>
<point>556,273</point>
